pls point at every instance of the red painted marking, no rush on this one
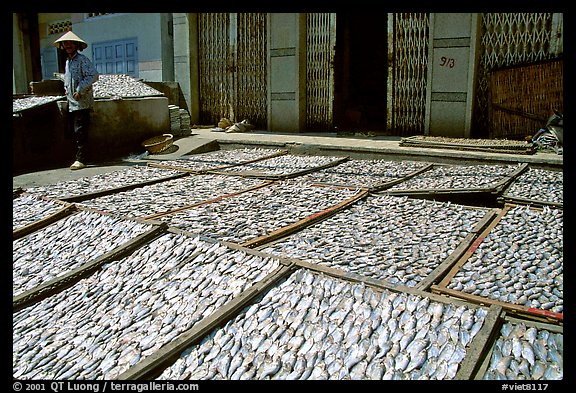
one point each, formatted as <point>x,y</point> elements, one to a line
<point>546,313</point>
<point>476,243</point>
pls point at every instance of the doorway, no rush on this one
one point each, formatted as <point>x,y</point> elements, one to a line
<point>360,73</point>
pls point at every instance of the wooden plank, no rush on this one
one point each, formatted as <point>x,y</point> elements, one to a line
<point>154,364</point>
<point>480,345</point>
<point>446,280</point>
<point>538,314</point>
<point>284,231</point>
<point>66,280</point>
<point>503,184</point>
<point>440,271</point>
<point>392,183</point>
<point>531,202</point>
<point>37,225</point>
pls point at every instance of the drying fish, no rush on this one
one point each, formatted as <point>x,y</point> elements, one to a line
<point>344,358</point>
<point>103,181</point>
<point>57,248</point>
<point>219,159</point>
<point>387,233</point>
<point>457,177</point>
<point>257,213</point>
<point>109,314</point>
<point>538,185</point>
<point>533,267</point>
<point>364,173</point>
<point>530,357</point>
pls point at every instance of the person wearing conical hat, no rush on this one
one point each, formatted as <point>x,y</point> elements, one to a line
<point>79,77</point>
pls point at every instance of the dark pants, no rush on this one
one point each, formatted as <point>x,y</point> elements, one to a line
<point>80,122</point>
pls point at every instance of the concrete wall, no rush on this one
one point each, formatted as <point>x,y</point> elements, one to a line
<point>287,72</point>
<point>452,64</point>
<point>118,128</point>
<point>39,141</point>
<point>186,61</point>
<point>153,32</point>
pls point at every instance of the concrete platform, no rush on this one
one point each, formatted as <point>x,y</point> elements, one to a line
<point>358,147</point>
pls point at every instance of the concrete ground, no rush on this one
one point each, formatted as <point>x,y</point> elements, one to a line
<point>354,146</point>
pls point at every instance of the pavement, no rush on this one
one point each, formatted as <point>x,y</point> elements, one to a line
<point>356,146</point>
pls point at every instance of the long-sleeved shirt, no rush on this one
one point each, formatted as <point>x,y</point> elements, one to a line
<point>79,76</point>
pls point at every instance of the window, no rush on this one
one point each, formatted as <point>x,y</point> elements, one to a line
<point>116,57</point>
<point>59,27</point>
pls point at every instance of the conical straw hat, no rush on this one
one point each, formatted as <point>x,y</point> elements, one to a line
<point>69,36</point>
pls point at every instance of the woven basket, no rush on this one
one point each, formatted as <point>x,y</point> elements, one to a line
<point>523,97</point>
<point>158,144</point>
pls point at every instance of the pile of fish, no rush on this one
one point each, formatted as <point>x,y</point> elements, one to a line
<point>284,165</point>
<point>526,353</point>
<point>21,104</point>
<point>169,195</point>
<point>103,181</point>
<point>520,261</point>
<point>67,244</point>
<point>457,177</point>
<point>220,158</point>
<point>539,185</point>
<point>313,326</point>
<point>130,308</point>
<point>257,213</point>
<point>122,86</point>
<point>27,209</point>
<point>385,237</point>
<point>365,173</point>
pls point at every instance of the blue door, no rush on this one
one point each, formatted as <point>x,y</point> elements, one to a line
<point>116,57</point>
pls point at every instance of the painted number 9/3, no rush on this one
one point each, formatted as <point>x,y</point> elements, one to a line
<point>446,62</point>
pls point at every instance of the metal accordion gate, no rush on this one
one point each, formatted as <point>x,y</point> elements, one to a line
<point>511,39</point>
<point>408,36</point>
<point>320,46</point>
<point>232,63</point>
<point>407,71</point>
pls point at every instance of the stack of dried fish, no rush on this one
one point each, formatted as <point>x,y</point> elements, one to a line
<point>21,104</point>
<point>313,326</point>
<point>520,261</point>
<point>130,308</point>
<point>526,353</point>
<point>393,238</point>
<point>117,86</point>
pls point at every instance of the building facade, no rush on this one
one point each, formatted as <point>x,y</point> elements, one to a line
<point>387,73</point>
